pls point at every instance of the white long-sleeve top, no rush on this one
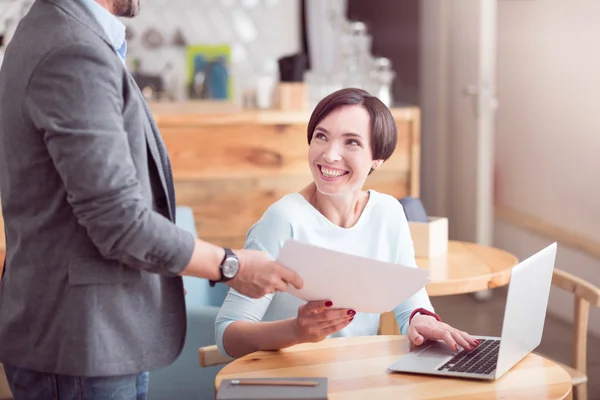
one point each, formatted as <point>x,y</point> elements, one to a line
<point>381,233</point>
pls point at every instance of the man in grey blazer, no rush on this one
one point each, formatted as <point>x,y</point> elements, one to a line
<point>92,297</point>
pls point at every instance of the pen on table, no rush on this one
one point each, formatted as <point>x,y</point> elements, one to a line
<point>272,383</point>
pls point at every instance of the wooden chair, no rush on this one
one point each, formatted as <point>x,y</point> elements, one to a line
<point>210,355</point>
<point>5,393</point>
<point>585,294</point>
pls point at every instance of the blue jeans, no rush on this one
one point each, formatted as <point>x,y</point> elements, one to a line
<point>31,385</point>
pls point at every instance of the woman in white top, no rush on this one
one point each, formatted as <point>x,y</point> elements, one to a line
<point>350,134</point>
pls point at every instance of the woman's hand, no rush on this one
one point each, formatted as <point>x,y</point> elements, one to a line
<point>423,327</point>
<point>316,320</point>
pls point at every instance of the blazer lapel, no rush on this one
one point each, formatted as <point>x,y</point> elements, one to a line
<point>158,151</point>
<point>163,156</point>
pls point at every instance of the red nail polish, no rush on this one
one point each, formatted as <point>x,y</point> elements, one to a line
<point>351,312</point>
<point>351,319</point>
<point>328,303</point>
<point>456,347</point>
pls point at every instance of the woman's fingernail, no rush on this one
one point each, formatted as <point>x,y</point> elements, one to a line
<point>351,312</point>
<point>328,303</point>
<point>477,341</point>
<point>456,347</point>
<point>351,319</point>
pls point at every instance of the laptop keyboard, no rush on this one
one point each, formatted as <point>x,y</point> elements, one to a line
<point>482,360</point>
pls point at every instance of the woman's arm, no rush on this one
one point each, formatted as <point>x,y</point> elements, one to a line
<point>315,321</point>
<point>406,257</point>
<point>423,327</point>
<point>239,329</point>
<point>403,311</point>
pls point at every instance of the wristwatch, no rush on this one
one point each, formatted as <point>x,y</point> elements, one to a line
<point>229,267</point>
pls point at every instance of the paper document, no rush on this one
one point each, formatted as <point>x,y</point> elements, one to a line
<point>359,283</point>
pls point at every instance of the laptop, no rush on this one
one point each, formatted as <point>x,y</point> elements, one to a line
<point>522,329</point>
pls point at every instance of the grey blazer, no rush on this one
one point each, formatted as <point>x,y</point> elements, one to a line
<point>91,283</point>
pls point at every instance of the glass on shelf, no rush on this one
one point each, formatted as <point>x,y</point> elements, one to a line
<point>383,79</point>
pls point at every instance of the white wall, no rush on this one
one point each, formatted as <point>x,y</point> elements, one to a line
<point>547,145</point>
<point>433,97</point>
<point>548,127</point>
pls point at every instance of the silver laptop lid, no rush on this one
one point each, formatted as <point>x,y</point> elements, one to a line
<point>525,310</point>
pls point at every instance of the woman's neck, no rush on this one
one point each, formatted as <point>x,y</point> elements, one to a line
<point>343,211</point>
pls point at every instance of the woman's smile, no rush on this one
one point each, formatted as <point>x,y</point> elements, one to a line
<point>331,174</point>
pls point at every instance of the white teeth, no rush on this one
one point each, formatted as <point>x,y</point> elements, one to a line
<point>331,173</point>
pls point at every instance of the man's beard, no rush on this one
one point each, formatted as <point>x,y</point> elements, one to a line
<point>126,8</point>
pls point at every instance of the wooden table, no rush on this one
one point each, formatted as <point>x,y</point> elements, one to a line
<point>466,268</point>
<point>357,369</point>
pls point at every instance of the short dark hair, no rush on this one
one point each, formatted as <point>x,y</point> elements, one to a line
<point>384,134</point>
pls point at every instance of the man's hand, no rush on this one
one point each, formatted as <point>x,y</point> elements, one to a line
<point>259,275</point>
<point>423,327</point>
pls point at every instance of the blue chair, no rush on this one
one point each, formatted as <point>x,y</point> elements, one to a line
<point>185,379</point>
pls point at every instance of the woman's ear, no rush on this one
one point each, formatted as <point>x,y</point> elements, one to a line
<point>377,164</point>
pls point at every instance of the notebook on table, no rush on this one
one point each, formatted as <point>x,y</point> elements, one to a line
<point>273,389</point>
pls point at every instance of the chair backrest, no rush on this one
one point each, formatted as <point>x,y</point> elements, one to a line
<point>586,294</point>
<point>2,256</point>
<point>388,324</point>
<point>210,355</point>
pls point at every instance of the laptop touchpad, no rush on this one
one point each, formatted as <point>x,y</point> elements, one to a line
<point>436,350</point>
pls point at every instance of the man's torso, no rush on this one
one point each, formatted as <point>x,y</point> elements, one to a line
<point>63,307</point>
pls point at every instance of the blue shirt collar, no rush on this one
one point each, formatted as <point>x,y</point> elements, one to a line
<point>114,29</point>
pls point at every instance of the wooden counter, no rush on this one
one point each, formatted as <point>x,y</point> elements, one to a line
<point>229,165</point>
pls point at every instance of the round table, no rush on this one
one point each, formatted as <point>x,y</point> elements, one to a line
<point>466,268</point>
<point>356,368</point>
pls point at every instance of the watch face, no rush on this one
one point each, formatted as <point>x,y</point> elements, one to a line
<point>230,267</point>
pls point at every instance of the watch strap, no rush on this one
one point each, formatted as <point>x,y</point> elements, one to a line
<point>228,253</point>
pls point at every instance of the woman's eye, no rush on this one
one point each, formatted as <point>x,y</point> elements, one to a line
<point>353,142</point>
<point>319,135</point>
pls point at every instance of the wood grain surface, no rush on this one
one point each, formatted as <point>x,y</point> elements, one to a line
<point>356,368</point>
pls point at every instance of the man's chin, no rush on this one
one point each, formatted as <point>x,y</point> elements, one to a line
<point>133,13</point>
<point>127,8</point>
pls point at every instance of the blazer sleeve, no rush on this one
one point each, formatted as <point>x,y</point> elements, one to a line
<point>75,100</point>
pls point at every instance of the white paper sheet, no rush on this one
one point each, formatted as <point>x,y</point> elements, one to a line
<point>359,283</point>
